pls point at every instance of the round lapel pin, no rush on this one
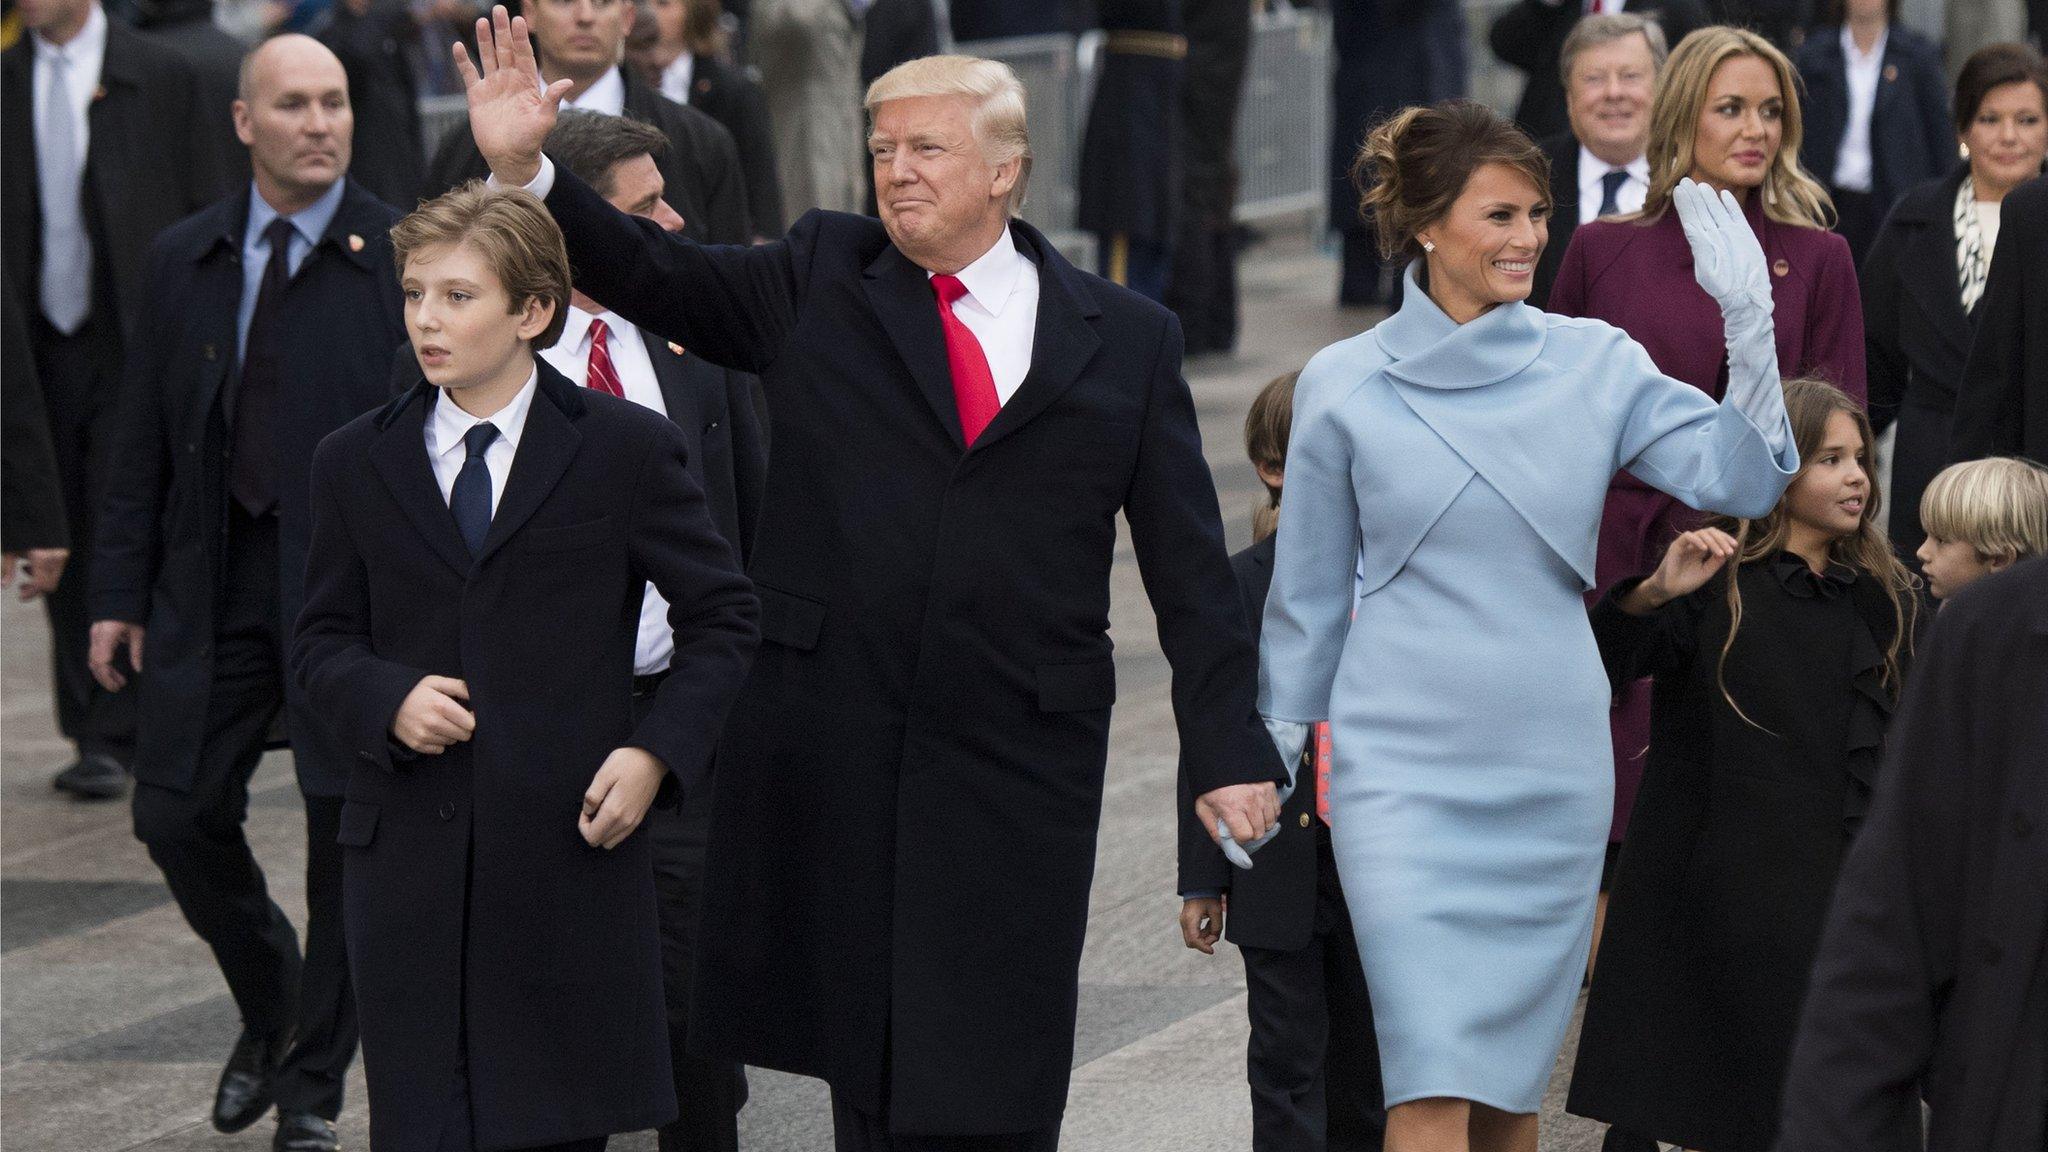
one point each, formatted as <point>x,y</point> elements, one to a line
<point>355,242</point>
<point>675,348</point>
<point>1782,268</point>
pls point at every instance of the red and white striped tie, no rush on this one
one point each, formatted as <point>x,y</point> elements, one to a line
<point>603,375</point>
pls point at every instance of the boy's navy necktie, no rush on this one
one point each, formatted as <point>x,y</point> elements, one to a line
<point>471,499</point>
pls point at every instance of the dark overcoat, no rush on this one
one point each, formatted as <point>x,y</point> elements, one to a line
<point>910,784</point>
<point>2002,408</point>
<point>700,171</point>
<point>31,496</point>
<point>478,920</point>
<point>1131,146</point>
<point>1272,904</point>
<point>1932,977</point>
<point>1912,139</point>
<point>1562,150</point>
<point>1732,853</point>
<point>1390,54</point>
<point>163,520</point>
<point>1917,339</point>
<point>729,96</point>
<point>1530,36</point>
<point>150,161</point>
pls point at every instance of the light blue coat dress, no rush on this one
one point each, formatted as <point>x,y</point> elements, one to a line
<point>1463,470</point>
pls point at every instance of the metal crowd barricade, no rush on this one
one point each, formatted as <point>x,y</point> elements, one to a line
<point>1283,124</point>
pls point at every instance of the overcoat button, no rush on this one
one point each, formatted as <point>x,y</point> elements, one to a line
<point>447,810</point>
<point>1304,820</point>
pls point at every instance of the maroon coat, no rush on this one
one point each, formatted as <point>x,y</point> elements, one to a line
<point>1638,277</point>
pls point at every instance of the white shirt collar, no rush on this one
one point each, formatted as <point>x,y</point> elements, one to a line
<point>88,47</point>
<point>991,278</point>
<point>1856,55</point>
<point>607,94</point>
<point>451,422</point>
<point>576,328</point>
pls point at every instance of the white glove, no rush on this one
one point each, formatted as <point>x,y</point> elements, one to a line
<point>1728,261</point>
<point>1290,738</point>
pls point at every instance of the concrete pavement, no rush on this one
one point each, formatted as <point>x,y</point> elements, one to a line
<point>114,1021</point>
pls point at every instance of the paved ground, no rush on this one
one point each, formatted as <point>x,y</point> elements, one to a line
<point>113,1019</point>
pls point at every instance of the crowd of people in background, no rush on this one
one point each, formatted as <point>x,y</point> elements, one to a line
<point>1800,246</point>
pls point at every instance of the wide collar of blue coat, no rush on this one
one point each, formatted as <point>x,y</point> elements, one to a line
<point>1427,348</point>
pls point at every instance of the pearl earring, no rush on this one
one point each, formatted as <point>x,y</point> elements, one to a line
<point>1428,247</point>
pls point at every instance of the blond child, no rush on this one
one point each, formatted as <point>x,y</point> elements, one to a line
<point>1981,516</point>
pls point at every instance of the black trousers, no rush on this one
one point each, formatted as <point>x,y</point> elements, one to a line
<point>1314,1062</point>
<point>854,1130</point>
<point>80,374</point>
<point>1202,289</point>
<point>196,837</point>
<point>709,1092</point>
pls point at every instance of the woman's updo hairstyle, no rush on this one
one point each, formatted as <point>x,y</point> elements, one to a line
<point>1416,162</point>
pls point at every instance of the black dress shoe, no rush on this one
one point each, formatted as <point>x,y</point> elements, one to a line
<point>244,1092</point>
<point>1623,1140</point>
<point>304,1132</point>
<point>95,776</point>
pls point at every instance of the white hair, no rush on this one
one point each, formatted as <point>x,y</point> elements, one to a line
<point>999,125</point>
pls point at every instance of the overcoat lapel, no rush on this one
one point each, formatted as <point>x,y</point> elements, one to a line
<point>909,312</point>
<point>400,457</point>
<point>546,446</point>
<point>1062,343</point>
<point>1931,279</point>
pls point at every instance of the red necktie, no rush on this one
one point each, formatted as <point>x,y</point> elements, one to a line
<point>1323,771</point>
<point>974,386</point>
<point>603,375</point>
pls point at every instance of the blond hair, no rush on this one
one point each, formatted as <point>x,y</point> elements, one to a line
<point>1265,441</point>
<point>514,234</point>
<point>1809,403</point>
<point>999,106</point>
<point>1790,194</point>
<point>1998,506</point>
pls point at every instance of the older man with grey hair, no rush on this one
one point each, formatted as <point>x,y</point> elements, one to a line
<point>1599,166</point>
<point>910,784</point>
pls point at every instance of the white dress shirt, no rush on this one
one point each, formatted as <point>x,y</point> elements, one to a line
<point>1629,198</point>
<point>446,451</point>
<point>607,94</point>
<point>675,79</point>
<point>1853,169</point>
<point>86,52</point>
<point>1000,307</point>
<point>570,356</point>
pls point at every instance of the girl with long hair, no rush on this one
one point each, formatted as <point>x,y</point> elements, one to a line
<point>1445,475</point>
<point>1777,647</point>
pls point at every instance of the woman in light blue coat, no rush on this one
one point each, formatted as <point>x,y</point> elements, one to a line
<point>1456,457</point>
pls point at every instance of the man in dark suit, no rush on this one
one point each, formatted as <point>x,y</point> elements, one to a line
<point>1932,977</point>
<point>580,41</point>
<point>106,145</point>
<point>679,45</point>
<point>480,550</point>
<point>1313,1062</point>
<point>1601,166</point>
<point>270,317</point>
<point>2002,407</point>
<point>34,539</point>
<point>715,409</point>
<point>378,42</point>
<point>958,417</point>
<point>1530,36</point>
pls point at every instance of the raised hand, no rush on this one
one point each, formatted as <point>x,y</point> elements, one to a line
<point>1727,260</point>
<point>510,114</point>
<point>1688,564</point>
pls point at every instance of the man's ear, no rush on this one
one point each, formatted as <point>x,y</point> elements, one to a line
<point>244,131</point>
<point>1007,174</point>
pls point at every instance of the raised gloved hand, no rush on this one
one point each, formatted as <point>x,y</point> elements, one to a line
<point>1727,259</point>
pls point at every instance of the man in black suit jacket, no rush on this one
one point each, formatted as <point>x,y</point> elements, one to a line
<point>144,157</point>
<point>1314,1062</point>
<point>911,781</point>
<point>580,43</point>
<point>34,539</point>
<point>247,357</point>
<point>1600,167</point>
<point>678,46</point>
<point>480,550</point>
<point>1932,977</point>
<point>1530,36</point>
<point>2002,407</point>
<point>715,409</point>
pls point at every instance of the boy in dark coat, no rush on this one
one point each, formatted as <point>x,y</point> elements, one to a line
<point>480,548</point>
